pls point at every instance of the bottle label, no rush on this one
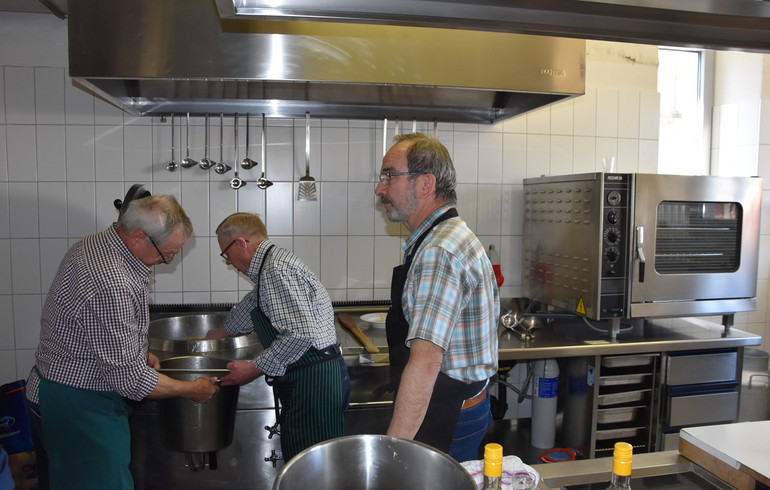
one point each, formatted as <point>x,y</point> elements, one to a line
<point>547,387</point>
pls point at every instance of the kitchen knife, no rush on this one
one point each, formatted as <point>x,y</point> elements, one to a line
<point>349,322</point>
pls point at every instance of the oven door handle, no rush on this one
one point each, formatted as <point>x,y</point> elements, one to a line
<point>640,251</point>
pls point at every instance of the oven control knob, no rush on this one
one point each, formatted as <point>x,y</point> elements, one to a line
<point>612,217</point>
<point>612,235</point>
<point>613,198</point>
<point>611,255</point>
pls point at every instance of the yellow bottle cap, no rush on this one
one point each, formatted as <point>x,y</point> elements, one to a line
<point>621,458</point>
<point>493,460</point>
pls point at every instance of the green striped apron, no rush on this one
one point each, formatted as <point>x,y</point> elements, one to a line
<point>86,436</point>
<point>311,391</point>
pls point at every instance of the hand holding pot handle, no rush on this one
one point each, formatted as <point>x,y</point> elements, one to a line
<point>202,389</point>
<point>241,372</point>
<point>216,333</point>
<point>153,361</point>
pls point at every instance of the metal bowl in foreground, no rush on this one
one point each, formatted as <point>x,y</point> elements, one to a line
<point>373,462</point>
<point>186,334</point>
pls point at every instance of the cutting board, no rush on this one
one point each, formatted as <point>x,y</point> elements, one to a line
<point>737,453</point>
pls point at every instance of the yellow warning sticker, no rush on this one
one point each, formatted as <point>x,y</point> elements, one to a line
<point>581,307</point>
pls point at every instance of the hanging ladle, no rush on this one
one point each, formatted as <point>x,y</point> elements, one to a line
<point>221,167</point>
<point>188,162</point>
<point>172,165</point>
<point>247,162</point>
<point>205,162</point>
<point>262,182</point>
<point>236,182</point>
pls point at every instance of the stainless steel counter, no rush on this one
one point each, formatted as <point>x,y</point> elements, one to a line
<point>667,469</point>
<point>573,338</point>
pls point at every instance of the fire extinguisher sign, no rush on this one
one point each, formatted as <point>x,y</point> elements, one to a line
<point>547,387</point>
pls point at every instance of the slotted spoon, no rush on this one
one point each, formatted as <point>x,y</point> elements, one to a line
<point>307,190</point>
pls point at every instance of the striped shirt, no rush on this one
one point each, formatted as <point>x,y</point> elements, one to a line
<point>451,298</point>
<point>94,325</point>
<point>296,303</point>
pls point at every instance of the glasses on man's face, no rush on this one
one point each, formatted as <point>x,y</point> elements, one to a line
<point>162,255</point>
<point>386,176</point>
<point>224,255</point>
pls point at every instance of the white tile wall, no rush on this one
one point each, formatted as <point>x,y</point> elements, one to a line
<point>66,155</point>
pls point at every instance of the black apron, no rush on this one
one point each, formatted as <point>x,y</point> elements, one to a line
<point>448,394</point>
<point>311,390</point>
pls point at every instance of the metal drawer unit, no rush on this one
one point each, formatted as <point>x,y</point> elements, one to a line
<point>700,388</point>
<point>626,394</point>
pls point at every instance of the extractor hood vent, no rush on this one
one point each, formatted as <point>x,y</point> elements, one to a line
<point>157,57</point>
<point>713,24</point>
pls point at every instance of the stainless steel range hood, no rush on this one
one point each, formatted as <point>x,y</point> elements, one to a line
<point>156,57</point>
<point>713,24</point>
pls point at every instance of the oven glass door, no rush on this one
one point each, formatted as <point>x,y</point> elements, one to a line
<point>695,238</point>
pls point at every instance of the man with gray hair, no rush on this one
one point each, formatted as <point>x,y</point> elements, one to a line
<point>292,314</point>
<point>442,323</point>
<point>93,349</point>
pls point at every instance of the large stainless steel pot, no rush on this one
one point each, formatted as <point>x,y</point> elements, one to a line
<point>373,462</point>
<point>193,427</point>
<point>186,334</point>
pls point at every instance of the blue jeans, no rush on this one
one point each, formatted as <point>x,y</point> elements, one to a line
<point>470,431</point>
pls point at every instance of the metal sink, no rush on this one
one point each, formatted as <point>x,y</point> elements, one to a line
<point>666,469</point>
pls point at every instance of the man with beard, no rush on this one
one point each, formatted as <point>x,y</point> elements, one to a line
<point>442,323</point>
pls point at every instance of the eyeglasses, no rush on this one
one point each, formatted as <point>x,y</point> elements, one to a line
<point>386,176</point>
<point>224,255</point>
<point>162,255</point>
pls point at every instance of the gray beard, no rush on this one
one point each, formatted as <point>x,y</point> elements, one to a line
<point>401,215</point>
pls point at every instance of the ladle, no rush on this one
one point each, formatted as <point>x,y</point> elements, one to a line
<point>188,162</point>
<point>236,182</point>
<point>172,165</point>
<point>262,182</point>
<point>205,162</point>
<point>247,162</point>
<point>221,167</point>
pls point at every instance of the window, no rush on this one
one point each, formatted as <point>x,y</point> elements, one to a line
<point>684,83</point>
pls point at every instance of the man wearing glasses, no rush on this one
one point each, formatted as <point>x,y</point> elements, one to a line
<point>93,349</point>
<point>291,313</point>
<point>442,323</point>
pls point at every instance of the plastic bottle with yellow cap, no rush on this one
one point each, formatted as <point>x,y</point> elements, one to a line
<point>621,466</point>
<point>493,466</point>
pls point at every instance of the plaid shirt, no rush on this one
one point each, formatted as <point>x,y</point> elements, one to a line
<point>296,303</point>
<point>451,298</point>
<point>94,326</point>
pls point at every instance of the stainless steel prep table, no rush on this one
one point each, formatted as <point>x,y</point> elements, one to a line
<point>667,469</point>
<point>573,338</point>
